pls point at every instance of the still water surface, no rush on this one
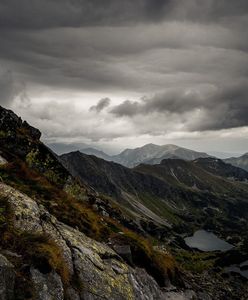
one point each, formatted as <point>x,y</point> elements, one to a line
<point>207,241</point>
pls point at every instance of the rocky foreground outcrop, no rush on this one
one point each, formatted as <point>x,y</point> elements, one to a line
<point>94,270</point>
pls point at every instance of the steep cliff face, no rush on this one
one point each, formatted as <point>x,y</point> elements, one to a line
<point>91,270</point>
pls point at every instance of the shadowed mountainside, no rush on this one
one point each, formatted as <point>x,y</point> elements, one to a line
<point>173,190</point>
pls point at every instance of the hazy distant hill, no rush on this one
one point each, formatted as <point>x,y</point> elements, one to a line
<point>97,153</point>
<point>241,162</point>
<point>153,154</point>
<point>149,154</point>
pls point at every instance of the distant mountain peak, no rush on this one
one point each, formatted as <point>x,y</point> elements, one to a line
<point>96,152</point>
<point>148,153</point>
<point>154,154</point>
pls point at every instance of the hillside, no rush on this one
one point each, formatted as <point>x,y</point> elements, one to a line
<point>130,189</point>
<point>241,162</point>
<point>97,153</point>
<point>220,168</point>
<point>172,191</point>
<point>203,174</point>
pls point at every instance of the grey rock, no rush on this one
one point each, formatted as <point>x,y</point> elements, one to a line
<point>7,279</point>
<point>101,273</point>
<point>47,286</point>
<point>145,287</point>
<point>124,251</point>
<point>72,294</point>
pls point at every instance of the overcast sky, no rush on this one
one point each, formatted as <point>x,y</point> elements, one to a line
<point>118,74</point>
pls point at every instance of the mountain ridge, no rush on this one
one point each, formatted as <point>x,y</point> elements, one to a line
<point>241,161</point>
<point>170,190</point>
<point>149,153</point>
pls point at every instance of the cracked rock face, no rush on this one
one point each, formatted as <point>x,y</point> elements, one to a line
<point>47,286</point>
<point>100,272</point>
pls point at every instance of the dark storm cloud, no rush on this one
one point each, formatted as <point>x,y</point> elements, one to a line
<point>174,101</point>
<point>75,13</point>
<point>9,88</point>
<point>110,57</point>
<point>122,58</point>
<point>191,55</point>
<point>6,88</point>
<point>227,108</point>
<point>102,104</point>
<point>221,108</point>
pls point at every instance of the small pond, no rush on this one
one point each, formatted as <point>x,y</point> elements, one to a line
<point>207,241</point>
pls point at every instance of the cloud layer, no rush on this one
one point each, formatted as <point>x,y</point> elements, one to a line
<point>171,68</point>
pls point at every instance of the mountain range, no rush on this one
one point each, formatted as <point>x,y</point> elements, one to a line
<point>149,153</point>
<point>167,193</point>
<point>153,154</point>
<point>77,226</point>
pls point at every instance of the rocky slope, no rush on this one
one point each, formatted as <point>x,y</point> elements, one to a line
<point>42,258</point>
<point>91,270</point>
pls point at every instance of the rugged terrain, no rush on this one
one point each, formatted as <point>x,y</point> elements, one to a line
<point>176,193</point>
<point>103,231</point>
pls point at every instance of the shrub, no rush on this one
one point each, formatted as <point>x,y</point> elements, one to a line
<point>196,262</point>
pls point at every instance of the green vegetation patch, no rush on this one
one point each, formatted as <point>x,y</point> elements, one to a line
<point>196,262</point>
